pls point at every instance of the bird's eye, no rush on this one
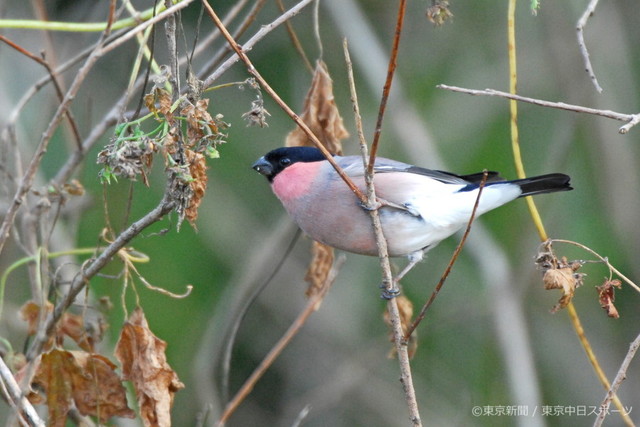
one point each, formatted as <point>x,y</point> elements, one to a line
<point>284,162</point>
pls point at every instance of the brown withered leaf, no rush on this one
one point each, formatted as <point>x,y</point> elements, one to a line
<point>559,274</point>
<point>84,379</point>
<point>144,363</point>
<point>198,169</point>
<point>71,325</point>
<point>405,308</point>
<point>54,375</point>
<point>30,313</point>
<point>75,327</point>
<point>99,391</point>
<point>199,121</point>
<point>606,295</point>
<point>561,278</point>
<point>321,114</point>
<point>158,101</point>
<point>322,257</point>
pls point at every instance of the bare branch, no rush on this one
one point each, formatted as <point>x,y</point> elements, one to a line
<point>631,119</point>
<point>622,374</point>
<point>582,22</point>
<point>392,305</point>
<point>25,411</point>
<point>266,29</point>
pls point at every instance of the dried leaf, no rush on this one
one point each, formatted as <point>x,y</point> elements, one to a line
<point>144,363</point>
<point>405,308</point>
<point>75,327</point>
<point>559,274</point>
<point>158,101</point>
<point>200,124</point>
<point>560,279</point>
<point>321,114</point>
<point>30,313</point>
<point>606,295</point>
<point>87,380</point>
<point>322,257</point>
<point>54,376</point>
<point>198,169</point>
<point>71,325</point>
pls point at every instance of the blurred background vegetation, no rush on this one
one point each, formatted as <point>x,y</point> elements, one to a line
<point>489,339</point>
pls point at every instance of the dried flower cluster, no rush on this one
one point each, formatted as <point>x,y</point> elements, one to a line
<point>131,151</point>
<point>558,273</point>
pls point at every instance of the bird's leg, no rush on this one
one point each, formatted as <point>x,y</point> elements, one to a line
<point>381,203</point>
<point>390,292</point>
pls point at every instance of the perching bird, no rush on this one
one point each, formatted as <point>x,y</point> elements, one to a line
<point>424,206</point>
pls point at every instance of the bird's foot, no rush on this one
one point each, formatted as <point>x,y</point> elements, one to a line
<point>389,292</point>
<point>381,203</point>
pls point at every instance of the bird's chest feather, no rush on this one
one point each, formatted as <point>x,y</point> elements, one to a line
<point>295,182</point>
<point>328,211</point>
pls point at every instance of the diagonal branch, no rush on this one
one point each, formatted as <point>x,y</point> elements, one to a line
<point>283,342</point>
<point>25,412</point>
<point>447,271</point>
<point>631,119</point>
<point>622,374</point>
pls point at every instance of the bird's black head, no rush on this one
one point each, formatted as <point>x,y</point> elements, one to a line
<point>274,162</point>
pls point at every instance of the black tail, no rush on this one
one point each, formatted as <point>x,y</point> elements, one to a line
<point>544,184</point>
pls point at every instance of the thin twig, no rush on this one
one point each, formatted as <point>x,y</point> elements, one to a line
<point>56,84</point>
<point>392,305</point>
<point>263,83</point>
<point>387,85</point>
<point>26,412</point>
<point>283,342</point>
<point>621,375</point>
<point>246,47</point>
<point>582,22</point>
<point>30,173</point>
<point>454,257</point>
<point>631,119</point>
<point>241,313</point>
<point>295,40</point>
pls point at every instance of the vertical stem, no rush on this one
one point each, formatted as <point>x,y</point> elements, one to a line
<point>392,305</point>
<point>387,85</point>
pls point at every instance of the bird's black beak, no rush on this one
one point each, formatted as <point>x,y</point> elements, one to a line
<point>263,167</point>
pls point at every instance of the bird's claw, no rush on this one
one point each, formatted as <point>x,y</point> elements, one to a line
<point>364,205</point>
<point>381,203</point>
<point>389,293</point>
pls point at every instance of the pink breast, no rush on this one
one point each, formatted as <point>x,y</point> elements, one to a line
<point>295,181</point>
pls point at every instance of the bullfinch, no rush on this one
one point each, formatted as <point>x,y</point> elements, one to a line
<point>421,207</point>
